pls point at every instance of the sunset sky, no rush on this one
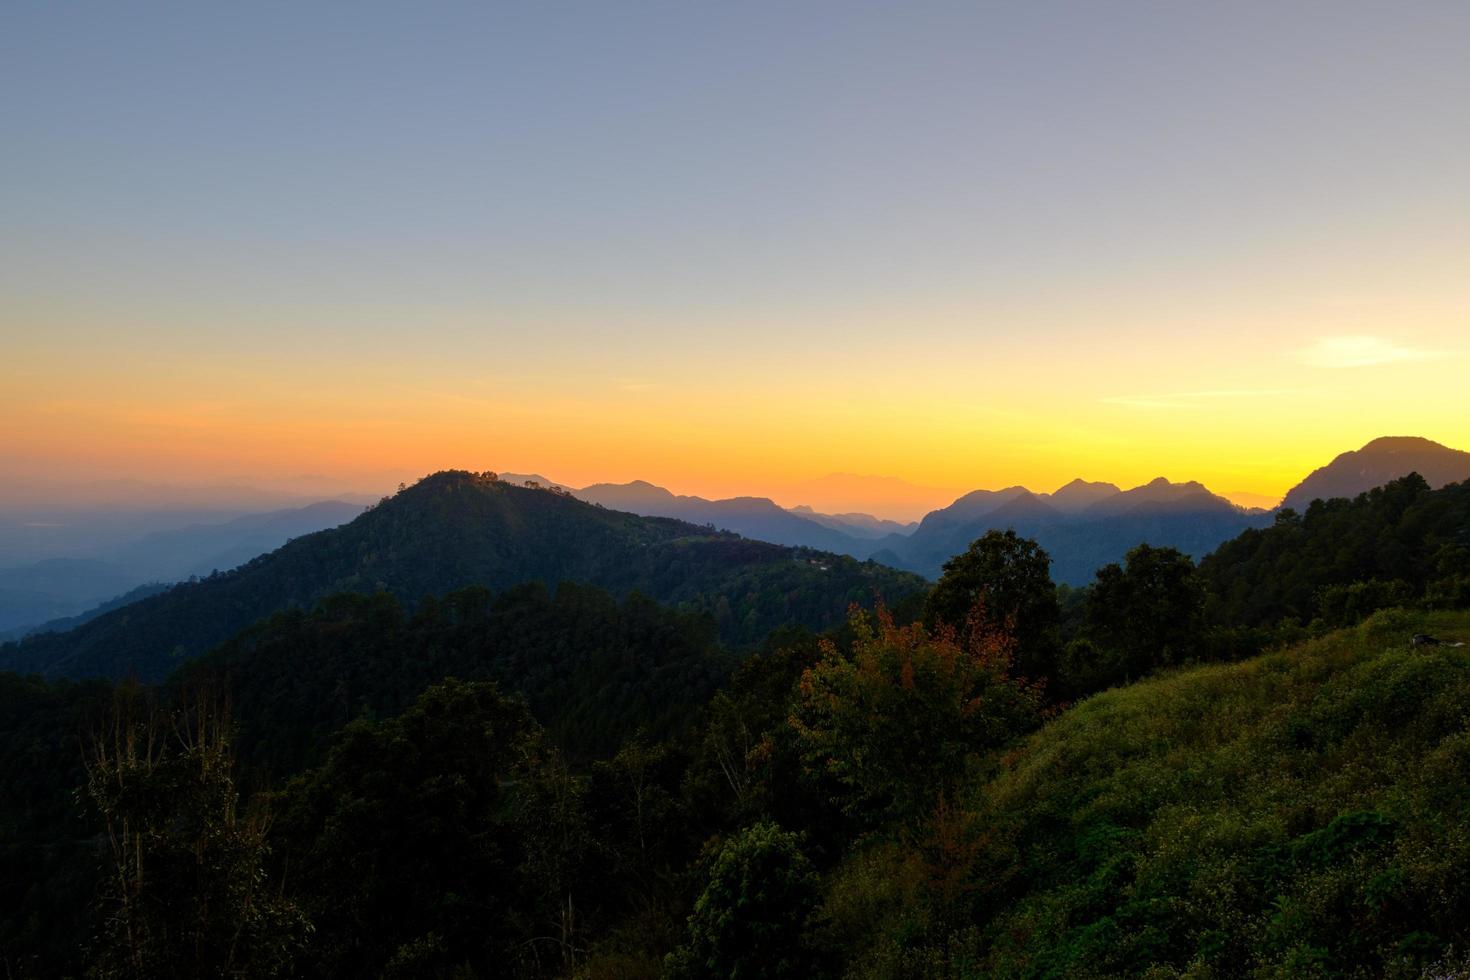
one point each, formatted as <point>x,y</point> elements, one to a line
<point>730,248</point>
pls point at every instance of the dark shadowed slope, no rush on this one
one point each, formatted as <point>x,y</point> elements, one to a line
<point>455,529</point>
<point>1377,463</point>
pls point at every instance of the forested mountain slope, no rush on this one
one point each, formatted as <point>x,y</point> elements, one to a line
<point>592,670</point>
<point>455,529</point>
<point>1343,558</point>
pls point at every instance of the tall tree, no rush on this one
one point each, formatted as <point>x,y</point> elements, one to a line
<point>1139,616</point>
<point>895,719</point>
<point>1006,578</point>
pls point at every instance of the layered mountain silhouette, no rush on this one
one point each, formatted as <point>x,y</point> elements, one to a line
<point>751,517</point>
<point>857,525</point>
<point>57,588</point>
<point>454,529</point>
<point>1083,526</point>
<point>1380,461</point>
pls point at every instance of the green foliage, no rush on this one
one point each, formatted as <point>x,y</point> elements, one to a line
<point>592,669</point>
<point>1344,605</point>
<point>1402,535</point>
<point>1137,618</point>
<point>1006,578</point>
<point>404,845</point>
<point>896,719</point>
<point>1302,813</point>
<point>750,921</point>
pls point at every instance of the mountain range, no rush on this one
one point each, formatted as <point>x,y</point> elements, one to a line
<point>648,531</point>
<point>456,529</point>
<point>1083,525</point>
<point>55,588</point>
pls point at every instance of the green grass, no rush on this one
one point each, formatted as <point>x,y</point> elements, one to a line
<point>1302,813</point>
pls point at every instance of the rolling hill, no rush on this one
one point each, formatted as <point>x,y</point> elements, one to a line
<point>455,529</point>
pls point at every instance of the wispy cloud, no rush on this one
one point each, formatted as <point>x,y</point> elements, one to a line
<point>634,384</point>
<point>1194,399</point>
<point>1362,351</point>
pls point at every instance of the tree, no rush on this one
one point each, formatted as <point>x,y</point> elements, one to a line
<point>406,844</point>
<point>750,920</point>
<point>895,720</point>
<point>187,893</point>
<point>1138,617</point>
<point>1011,576</point>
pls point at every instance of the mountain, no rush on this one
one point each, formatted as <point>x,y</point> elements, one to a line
<point>1160,493</point>
<point>1079,495</point>
<point>1083,526</point>
<point>972,506</point>
<point>1393,543</point>
<point>1377,463</point>
<point>201,549</point>
<point>64,623</point>
<point>855,524</point>
<point>752,517</point>
<point>521,479</point>
<point>455,529</point>
<point>838,493</point>
<point>55,587</point>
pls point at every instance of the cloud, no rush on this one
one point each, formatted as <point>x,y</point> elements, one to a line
<point>1362,351</point>
<point>1194,399</point>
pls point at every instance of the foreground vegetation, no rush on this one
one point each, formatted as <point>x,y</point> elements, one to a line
<point>1014,780</point>
<point>1302,813</point>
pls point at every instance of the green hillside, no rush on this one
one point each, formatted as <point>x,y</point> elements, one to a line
<point>1303,813</point>
<point>1341,559</point>
<point>457,529</point>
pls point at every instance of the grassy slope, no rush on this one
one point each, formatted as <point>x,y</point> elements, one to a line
<point>1303,813</point>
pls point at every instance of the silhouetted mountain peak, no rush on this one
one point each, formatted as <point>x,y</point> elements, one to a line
<point>1404,444</point>
<point>1381,460</point>
<point>1080,494</point>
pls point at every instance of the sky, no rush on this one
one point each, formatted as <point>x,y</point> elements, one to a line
<point>730,248</point>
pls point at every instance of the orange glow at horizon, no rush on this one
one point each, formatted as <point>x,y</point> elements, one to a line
<point>986,419</point>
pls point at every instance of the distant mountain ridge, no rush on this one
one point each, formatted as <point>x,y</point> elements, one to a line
<point>454,529</point>
<point>52,589</point>
<point>1083,526</point>
<point>864,525</point>
<point>752,517</point>
<point>1380,461</point>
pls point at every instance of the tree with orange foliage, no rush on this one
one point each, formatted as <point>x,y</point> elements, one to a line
<point>895,720</point>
